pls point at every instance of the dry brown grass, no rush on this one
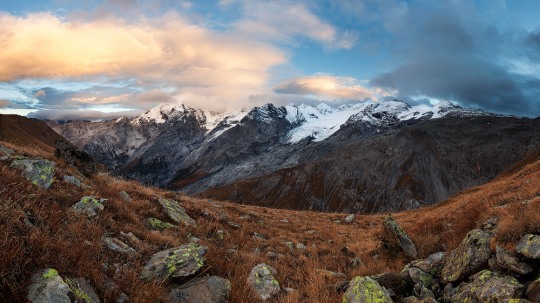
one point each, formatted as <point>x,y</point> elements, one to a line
<point>73,244</point>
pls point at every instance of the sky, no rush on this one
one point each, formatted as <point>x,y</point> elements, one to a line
<point>100,59</point>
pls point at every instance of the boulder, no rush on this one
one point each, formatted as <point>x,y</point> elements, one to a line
<point>391,281</point>
<point>529,246</point>
<point>89,206</point>
<point>431,265</point>
<point>507,261</point>
<point>365,289</point>
<point>469,257</point>
<point>157,224</point>
<point>38,171</point>
<point>533,291</point>
<point>262,282</point>
<point>118,246</point>
<point>181,261</point>
<point>349,218</point>
<point>49,287</point>
<point>125,196</point>
<point>488,286</point>
<point>211,289</point>
<point>5,153</point>
<point>404,241</point>
<point>176,212</point>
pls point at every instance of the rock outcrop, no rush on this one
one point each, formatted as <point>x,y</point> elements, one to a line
<point>182,261</point>
<point>262,281</point>
<point>403,239</point>
<point>365,289</point>
<point>38,171</point>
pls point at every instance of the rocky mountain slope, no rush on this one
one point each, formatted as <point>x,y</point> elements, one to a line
<point>75,238</point>
<point>302,157</point>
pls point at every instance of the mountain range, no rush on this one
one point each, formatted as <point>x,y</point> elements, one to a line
<point>367,157</point>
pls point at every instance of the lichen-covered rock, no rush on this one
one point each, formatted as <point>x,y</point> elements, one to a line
<point>487,286</point>
<point>38,171</point>
<point>49,287</point>
<point>366,290</point>
<point>125,196</point>
<point>5,153</point>
<point>83,291</point>
<point>431,265</point>
<point>511,263</point>
<point>404,241</point>
<point>73,180</point>
<point>181,261</point>
<point>117,245</point>
<point>176,212</point>
<point>89,206</point>
<point>261,280</point>
<point>529,246</point>
<point>470,256</point>
<point>157,224</point>
<point>202,290</point>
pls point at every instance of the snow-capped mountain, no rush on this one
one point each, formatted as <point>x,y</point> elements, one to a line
<point>274,154</point>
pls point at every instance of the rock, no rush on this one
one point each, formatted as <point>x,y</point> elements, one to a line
<point>83,290</point>
<point>393,281</point>
<point>533,291</point>
<point>38,171</point>
<point>511,263</point>
<point>487,286</point>
<point>271,255</point>
<point>289,244</point>
<point>365,289</point>
<point>80,159</point>
<point>48,287</point>
<point>130,237</point>
<point>5,152</point>
<point>89,206</point>
<point>118,246</point>
<point>431,265</point>
<point>125,196</point>
<point>330,274</point>
<point>310,232</point>
<point>529,246</point>
<point>259,236</point>
<point>262,282</point>
<point>469,257</point>
<point>404,241</point>
<point>211,289</point>
<point>176,212</point>
<point>300,246</point>
<point>349,218</point>
<point>220,234</point>
<point>73,180</point>
<point>157,224</point>
<point>355,262</point>
<point>233,224</point>
<point>342,286</point>
<point>181,261</point>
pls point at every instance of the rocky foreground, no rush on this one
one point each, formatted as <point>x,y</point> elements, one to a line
<point>176,250</point>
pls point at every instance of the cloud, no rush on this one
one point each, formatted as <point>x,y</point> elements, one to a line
<point>4,103</point>
<point>74,114</point>
<point>449,53</point>
<point>285,21</point>
<point>164,52</point>
<point>344,88</point>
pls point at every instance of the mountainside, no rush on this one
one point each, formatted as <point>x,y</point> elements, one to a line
<point>27,132</point>
<point>97,238</point>
<point>369,157</point>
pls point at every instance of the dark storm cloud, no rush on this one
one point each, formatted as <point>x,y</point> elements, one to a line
<point>447,52</point>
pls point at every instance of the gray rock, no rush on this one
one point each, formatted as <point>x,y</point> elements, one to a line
<point>83,290</point>
<point>125,196</point>
<point>365,289</point>
<point>391,281</point>
<point>118,246</point>
<point>262,282</point>
<point>403,238</point>
<point>529,246</point>
<point>89,206</point>
<point>533,291</point>
<point>48,287</point>
<point>176,212</point>
<point>5,152</point>
<point>73,180</point>
<point>260,236</point>
<point>202,290</point>
<point>233,224</point>
<point>181,261</point>
<point>38,171</point>
<point>431,265</point>
<point>487,286</point>
<point>511,263</point>
<point>157,224</point>
<point>300,246</point>
<point>470,256</point>
<point>349,218</point>
<point>289,244</point>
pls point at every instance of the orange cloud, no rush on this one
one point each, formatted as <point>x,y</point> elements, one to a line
<point>344,88</point>
<point>169,51</point>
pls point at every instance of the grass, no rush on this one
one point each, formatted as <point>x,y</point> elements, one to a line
<point>73,244</point>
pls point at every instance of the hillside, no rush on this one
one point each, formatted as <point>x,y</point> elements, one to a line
<point>27,132</point>
<point>40,230</point>
<point>307,158</point>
